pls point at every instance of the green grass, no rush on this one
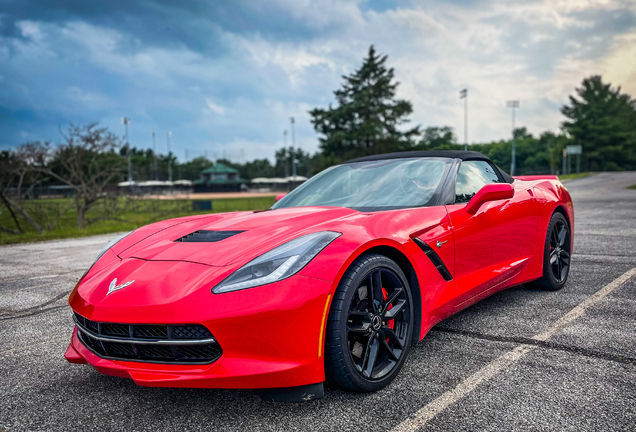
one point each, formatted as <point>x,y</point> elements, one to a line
<point>632,187</point>
<point>129,214</point>
<point>575,176</point>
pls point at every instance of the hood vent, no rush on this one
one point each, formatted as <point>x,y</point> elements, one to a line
<point>204,236</point>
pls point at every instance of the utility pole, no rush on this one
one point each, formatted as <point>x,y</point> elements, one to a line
<point>464,95</point>
<point>285,151</point>
<point>514,104</point>
<point>168,135</point>
<point>126,121</point>
<point>293,150</point>
<point>154,155</point>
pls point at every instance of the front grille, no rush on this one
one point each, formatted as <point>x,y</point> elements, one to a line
<point>151,331</point>
<point>156,352</point>
<point>191,332</point>
<point>91,326</point>
<point>198,352</point>
<point>178,344</point>
<point>122,349</point>
<point>116,329</point>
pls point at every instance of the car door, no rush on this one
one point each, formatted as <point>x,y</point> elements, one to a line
<point>494,244</point>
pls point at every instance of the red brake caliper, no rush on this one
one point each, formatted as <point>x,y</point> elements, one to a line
<point>389,323</point>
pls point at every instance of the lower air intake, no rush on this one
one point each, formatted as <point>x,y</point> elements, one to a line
<point>176,344</point>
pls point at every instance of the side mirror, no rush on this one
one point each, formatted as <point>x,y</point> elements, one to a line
<point>490,192</point>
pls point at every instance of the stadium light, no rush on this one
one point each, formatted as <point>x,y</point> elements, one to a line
<point>285,151</point>
<point>293,136</point>
<point>514,104</point>
<point>126,121</point>
<point>168,135</point>
<point>464,95</point>
<point>154,154</point>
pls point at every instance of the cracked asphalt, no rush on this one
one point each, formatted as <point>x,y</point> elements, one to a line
<point>583,378</point>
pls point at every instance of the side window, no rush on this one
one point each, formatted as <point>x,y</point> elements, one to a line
<point>472,176</point>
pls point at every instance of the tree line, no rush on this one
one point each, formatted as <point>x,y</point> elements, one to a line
<point>365,119</point>
<point>368,119</point>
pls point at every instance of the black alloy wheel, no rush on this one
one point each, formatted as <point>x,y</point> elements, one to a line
<point>557,254</point>
<point>370,325</point>
<point>560,251</point>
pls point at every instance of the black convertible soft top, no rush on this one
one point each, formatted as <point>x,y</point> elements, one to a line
<point>452,154</point>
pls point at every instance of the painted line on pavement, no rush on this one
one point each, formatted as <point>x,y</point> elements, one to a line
<point>438,405</point>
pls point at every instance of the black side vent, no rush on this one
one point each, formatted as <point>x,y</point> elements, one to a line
<point>435,259</point>
<point>204,236</point>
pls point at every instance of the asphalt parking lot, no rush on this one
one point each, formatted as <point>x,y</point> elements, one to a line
<point>520,360</point>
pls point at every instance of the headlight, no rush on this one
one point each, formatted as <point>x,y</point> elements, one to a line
<point>277,264</point>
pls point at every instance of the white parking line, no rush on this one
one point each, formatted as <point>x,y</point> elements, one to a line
<point>430,411</point>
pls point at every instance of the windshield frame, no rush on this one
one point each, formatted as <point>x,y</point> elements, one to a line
<point>439,197</point>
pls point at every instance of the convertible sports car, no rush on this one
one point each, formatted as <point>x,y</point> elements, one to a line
<point>334,282</point>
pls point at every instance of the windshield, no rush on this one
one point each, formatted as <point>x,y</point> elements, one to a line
<point>373,185</point>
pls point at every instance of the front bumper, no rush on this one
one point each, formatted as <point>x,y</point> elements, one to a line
<point>272,337</point>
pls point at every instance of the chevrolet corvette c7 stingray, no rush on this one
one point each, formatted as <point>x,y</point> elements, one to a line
<point>334,282</point>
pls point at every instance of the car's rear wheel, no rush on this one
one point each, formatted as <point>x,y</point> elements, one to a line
<point>556,255</point>
<point>370,325</point>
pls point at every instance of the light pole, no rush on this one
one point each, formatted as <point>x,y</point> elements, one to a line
<point>126,121</point>
<point>154,154</point>
<point>168,135</point>
<point>514,104</point>
<point>293,150</point>
<point>464,95</point>
<point>285,149</point>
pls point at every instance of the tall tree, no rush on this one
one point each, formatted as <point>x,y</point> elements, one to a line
<point>367,117</point>
<point>435,137</point>
<point>284,156</point>
<point>87,162</point>
<point>603,121</point>
<point>191,170</point>
<point>17,182</point>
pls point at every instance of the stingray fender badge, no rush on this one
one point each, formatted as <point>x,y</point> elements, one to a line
<point>114,287</point>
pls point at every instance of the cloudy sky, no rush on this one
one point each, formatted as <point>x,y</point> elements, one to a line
<point>225,76</point>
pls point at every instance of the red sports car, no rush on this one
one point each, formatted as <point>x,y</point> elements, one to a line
<point>334,282</point>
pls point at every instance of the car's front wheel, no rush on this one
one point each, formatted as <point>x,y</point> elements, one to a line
<point>370,325</point>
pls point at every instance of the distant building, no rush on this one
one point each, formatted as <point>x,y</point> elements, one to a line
<point>220,171</point>
<point>276,184</point>
<point>220,178</point>
<point>156,187</point>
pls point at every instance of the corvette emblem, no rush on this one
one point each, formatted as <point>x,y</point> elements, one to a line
<point>114,287</point>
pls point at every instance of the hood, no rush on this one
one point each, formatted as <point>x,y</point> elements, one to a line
<point>239,236</point>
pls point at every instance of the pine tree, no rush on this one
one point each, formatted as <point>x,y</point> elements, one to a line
<point>367,117</point>
<point>603,121</point>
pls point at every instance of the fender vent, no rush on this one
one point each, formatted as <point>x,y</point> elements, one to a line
<point>204,236</point>
<point>435,259</point>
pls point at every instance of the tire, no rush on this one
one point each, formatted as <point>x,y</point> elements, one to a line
<point>556,255</point>
<point>361,329</point>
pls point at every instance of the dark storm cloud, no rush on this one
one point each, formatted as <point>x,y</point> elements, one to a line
<point>195,25</point>
<point>227,75</point>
